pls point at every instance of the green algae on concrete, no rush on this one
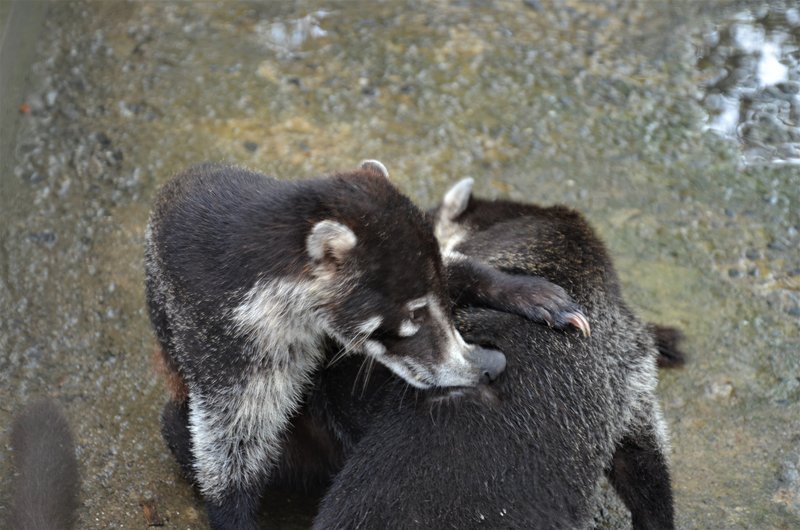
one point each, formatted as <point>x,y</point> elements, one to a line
<point>592,104</point>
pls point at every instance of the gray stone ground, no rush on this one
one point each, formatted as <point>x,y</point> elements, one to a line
<point>598,105</point>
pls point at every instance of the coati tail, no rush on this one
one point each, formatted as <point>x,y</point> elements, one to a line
<point>45,487</point>
<point>667,338</point>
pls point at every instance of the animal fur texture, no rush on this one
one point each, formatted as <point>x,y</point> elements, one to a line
<point>250,280</point>
<point>528,450</point>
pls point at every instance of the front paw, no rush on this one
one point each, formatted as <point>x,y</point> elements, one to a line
<point>544,301</point>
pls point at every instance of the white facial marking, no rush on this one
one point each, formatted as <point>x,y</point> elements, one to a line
<point>400,369</point>
<point>375,349</point>
<point>456,369</point>
<point>368,326</point>
<point>408,329</point>
<point>418,303</point>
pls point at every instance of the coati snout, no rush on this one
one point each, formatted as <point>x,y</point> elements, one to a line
<point>366,266</point>
<point>491,362</point>
<point>417,341</point>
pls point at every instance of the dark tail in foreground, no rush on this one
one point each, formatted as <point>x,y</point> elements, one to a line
<point>667,342</point>
<point>45,486</point>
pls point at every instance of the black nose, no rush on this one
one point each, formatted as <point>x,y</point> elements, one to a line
<point>490,362</point>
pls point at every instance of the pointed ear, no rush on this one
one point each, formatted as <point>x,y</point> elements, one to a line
<point>330,240</point>
<point>457,198</point>
<point>375,166</point>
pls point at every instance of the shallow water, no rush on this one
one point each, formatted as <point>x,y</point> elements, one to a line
<point>752,87</point>
<point>605,106</point>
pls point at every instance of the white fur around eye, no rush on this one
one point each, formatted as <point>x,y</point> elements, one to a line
<point>408,329</point>
<point>418,303</point>
<point>369,326</point>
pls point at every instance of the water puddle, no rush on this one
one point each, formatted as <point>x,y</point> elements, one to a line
<point>751,69</point>
<point>286,36</point>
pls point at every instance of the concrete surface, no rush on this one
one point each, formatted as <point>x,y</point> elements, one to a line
<point>600,105</point>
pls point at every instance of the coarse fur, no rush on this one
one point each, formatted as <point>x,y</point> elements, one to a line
<point>528,450</point>
<point>451,228</point>
<point>668,339</point>
<point>249,280</point>
<point>46,483</point>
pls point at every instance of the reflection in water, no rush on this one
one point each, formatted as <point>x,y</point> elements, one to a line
<point>752,89</point>
<point>291,34</point>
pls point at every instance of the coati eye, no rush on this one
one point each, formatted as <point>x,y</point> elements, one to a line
<point>417,314</point>
<point>409,328</point>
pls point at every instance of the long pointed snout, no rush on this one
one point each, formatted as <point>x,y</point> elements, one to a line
<point>491,363</point>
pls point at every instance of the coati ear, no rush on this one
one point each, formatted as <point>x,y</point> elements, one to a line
<point>457,198</point>
<point>374,165</point>
<point>329,239</point>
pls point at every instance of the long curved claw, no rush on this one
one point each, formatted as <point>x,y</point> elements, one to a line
<point>580,321</point>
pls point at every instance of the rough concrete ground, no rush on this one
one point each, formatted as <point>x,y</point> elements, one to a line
<point>598,105</point>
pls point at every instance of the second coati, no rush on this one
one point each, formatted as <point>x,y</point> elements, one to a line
<point>528,450</point>
<point>251,282</point>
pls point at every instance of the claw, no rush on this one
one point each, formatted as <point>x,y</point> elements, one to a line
<point>578,320</point>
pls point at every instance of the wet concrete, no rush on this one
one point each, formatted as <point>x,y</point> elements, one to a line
<point>599,105</point>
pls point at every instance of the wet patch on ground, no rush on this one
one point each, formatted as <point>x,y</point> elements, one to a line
<point>751,65</point>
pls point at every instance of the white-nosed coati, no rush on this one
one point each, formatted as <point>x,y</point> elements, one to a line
<point>249,280</point>
<point>528,450</point>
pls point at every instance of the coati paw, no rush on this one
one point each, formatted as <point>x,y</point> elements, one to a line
<point>580,321</point>
<point>544,301</point>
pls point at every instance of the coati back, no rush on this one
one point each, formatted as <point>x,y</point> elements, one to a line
<point>528,450</point>
<point>248,278</point>
<point>452,226</point>
<point>46,483</point>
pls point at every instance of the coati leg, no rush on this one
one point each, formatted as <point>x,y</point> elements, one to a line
<point>473,283</point>
<point>175,430</point>
<point>236,509</point>
<point>640,475</point>
<point>470,282</point>
<point>237,427</point>
<point>229,458</point>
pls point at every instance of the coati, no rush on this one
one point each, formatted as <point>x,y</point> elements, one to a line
<point>528,450</point>
<point>451,229</point>
<point>249,279</point>
<point>46,483</point>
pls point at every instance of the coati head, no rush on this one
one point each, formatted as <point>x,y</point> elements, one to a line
<point>376,254</point>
